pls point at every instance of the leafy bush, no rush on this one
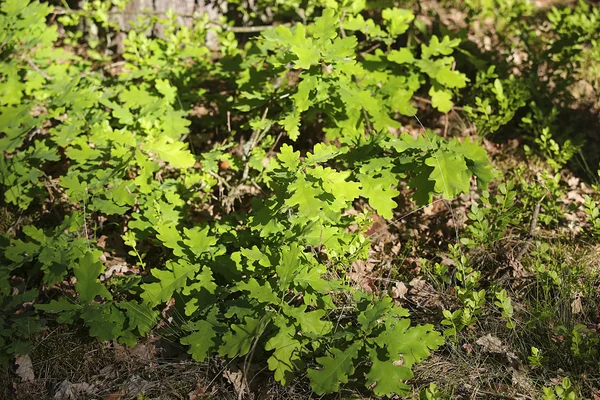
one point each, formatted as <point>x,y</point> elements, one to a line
<point>219,189</point>
<point>540,59</point>
<point>264,283</point>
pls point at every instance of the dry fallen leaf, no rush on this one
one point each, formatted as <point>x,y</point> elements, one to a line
<point>424,294</point>
<point>144,352</point>
<point>575,196</point>
<point>236,378</point>
<point>573,182</point>
<point>523,382</point>
<point>135,385</point>
<point>399,291</point>
<point>576,306</point>
<point>418,284</point>
<point>468,348</point>
<point>114,396</point>
<point>378,232</point>
<point>25,369</point>
<point>491,344</point>
<point>102,241</point>
<point>74,391</point>
<point>117,268</point>
<point>202,392</point>
<point>361,274</point>
<point>399,362</point>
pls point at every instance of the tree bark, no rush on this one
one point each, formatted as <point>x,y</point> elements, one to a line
<point>184,9</point>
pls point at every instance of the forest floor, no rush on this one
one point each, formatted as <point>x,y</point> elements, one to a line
<point>539,254</point>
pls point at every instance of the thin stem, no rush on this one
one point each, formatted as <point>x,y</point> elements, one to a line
<point>35,67</point>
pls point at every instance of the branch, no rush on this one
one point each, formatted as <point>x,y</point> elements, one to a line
<point>427,101</point>
<point>534,219</point>
<point>35,67</point>
<point>235,29</point>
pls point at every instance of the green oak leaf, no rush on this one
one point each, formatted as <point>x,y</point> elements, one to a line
<point>289,264</point>
<point>198,240</point>
<point>11,88</point>
<point>123,114</point>
<point>441,99</point>
<point>432,67</point>
<point>204,280</point>
<point>379,193</point>
<point>122,194</point>
<point>238,340</point>
<point>255,255</point>
<point>325,26</point>
<point>476,158</point>
<point>141,316</point>
<point>169,281</point>
<point>201,340</point>
<point>289,158</point>
<point>450,173</point>
<point>321,153</point>
<point>310,322</point>
<point>164,87</point>
<point>307,55</point>
<point>305,196</point>
<point>388,378</point>
<point>42,152</point>
<point>75,190</point>
<point>378,313</point>
<point>64,307</point>
<point>88,285</point>
<point>304,48</point>
<point>422,186</point>
<point>451,79</point>
<point>341,51</point>
<point>104,320</point>
<point>337,368</point>
<point>108,207</point>
<point>435,47</point>
<point>318,234</point>
<point>146,172</point>
<point>402,56</point>
<point>291,124</point>
<point>413,344</point>
<point>302,98</point>
<point>286,351</point>
<point>397,20</point>
<point>336,183</point>
<point>174,123</point>
<point>173,152</point>
<point>262,293</point>
<point>170,237</point>
<point>134,97</point>
<point>310,275</point>
<point>81,152</point>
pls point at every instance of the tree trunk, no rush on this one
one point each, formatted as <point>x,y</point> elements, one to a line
<point>184,9</point>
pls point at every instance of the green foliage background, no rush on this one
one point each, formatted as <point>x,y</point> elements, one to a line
<point>304,118</point>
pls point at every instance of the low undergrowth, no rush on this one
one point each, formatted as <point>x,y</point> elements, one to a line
<point>270,206</point>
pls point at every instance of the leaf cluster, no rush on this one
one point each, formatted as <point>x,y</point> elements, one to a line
<point>114,155</point>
